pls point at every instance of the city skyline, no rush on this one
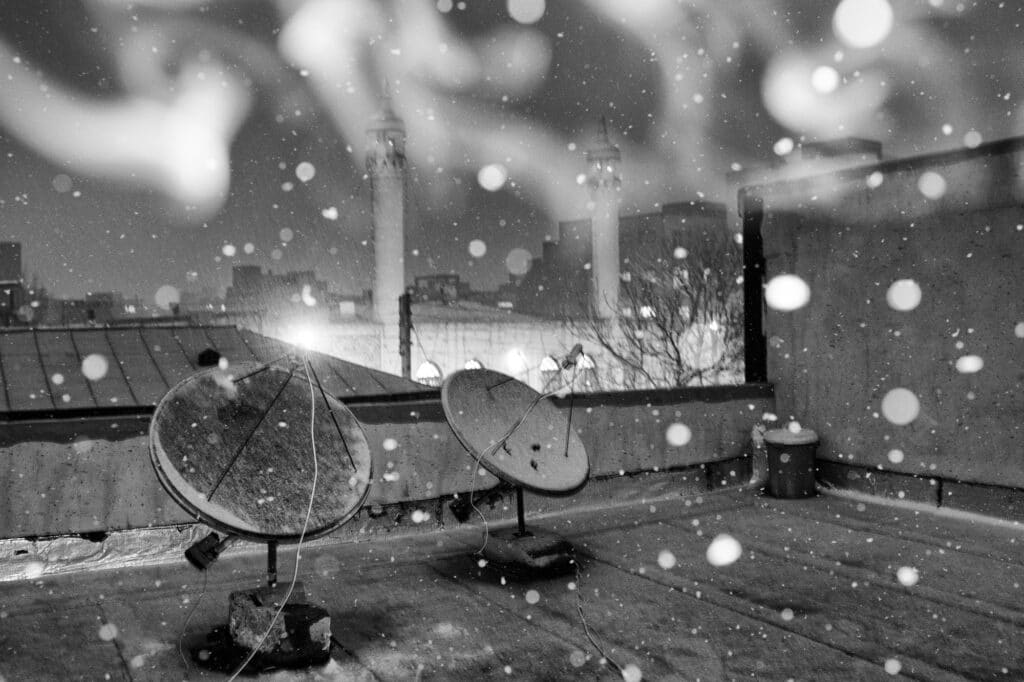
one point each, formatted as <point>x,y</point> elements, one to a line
<point>499,116</point>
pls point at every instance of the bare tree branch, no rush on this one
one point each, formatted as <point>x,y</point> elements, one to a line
<point>681,313</point>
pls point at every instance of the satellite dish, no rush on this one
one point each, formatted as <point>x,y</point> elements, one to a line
<point>517,435</point>
<point>522,438</point>
<point>235,448</point>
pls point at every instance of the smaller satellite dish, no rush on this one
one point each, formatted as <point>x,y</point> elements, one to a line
<point>516,434</point>
<point>234,448</point>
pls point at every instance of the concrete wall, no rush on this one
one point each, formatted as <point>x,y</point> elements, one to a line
<point>515,348</point>
<point>850,235</point>
<point>94,475</point>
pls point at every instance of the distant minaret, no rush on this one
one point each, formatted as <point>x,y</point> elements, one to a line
<point>604,181</point>
<point>385,164</point>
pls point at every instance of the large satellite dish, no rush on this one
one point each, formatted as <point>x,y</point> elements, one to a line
<point>261,452</point>
<point>522,438</point>
<point>517,435</point>
<point>234,449</point>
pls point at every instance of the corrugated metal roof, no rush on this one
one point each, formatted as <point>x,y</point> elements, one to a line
<point>42,369</point>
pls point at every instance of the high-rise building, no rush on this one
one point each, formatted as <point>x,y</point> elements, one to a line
<point>12,289</point>
<point>10,261</point>
<point>604,181</point>
<point>385,164</point>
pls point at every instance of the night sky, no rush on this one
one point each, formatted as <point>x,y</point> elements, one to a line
<point>690,89</point>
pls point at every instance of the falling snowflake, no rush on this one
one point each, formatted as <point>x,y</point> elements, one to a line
<point>95,366</point>
<point>863,23</point>
<point>166,296</point>
<point>518,261</point>
<point>825,79</point>
<point>903,295</point>
<point>678,435</point>
<point>900,406</point>
<point>305,171</point>
<point>783,146</point>
<point>932,185</point>
<point>969,364</point>
<point>477,248</point>
<point>62,183</point>
<point>907,575</point>
<point>492,177</point>
<point>631,673</point>
<point>526,11</point>
<point>724,550</point>
<point>787,293</point>
<point>972,139</point>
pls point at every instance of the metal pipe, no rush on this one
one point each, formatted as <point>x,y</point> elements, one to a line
<point>272,563</point>
<point>520,513</point>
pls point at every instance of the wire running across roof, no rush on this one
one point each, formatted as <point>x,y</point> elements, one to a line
<point>42,370</point>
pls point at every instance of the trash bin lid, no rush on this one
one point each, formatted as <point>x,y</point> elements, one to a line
<point>787,437</point>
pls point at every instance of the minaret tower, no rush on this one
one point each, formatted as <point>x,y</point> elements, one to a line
<point>385,164</point>
<point>604,182</point>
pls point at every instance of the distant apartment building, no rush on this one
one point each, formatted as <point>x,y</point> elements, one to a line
<point>260,299</point>
<point>447,288</point>
<point>12,284</point>
<point>10,261</point>
<point>807,159</point>
<point>559,281</point>
<point>450,289</point>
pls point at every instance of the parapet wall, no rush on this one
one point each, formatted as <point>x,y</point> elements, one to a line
<point>93,475</point>
<point>954,224</point>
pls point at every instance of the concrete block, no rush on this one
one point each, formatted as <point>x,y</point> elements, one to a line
<point>537,552</point>
<point>300,627</point>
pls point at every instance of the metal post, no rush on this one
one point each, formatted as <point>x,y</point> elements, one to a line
<point>405,332</point>
<point>272,563</point>
<point>755,348</point>
<point>520,513</point>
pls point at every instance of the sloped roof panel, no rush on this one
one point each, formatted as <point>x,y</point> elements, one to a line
<point>228,342</point>
<point>138,365</point>
<point>170,357</point>
<point>339,377</point>
<point>26,383</point>
<point>193,341</point>
<point>111,389</point>
<point>63,366</point>
<point>144,361</point>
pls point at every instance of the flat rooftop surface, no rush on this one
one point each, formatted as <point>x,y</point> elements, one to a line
<point>816,594</point>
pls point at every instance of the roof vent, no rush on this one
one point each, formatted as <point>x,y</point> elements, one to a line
<point>208,358</point>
